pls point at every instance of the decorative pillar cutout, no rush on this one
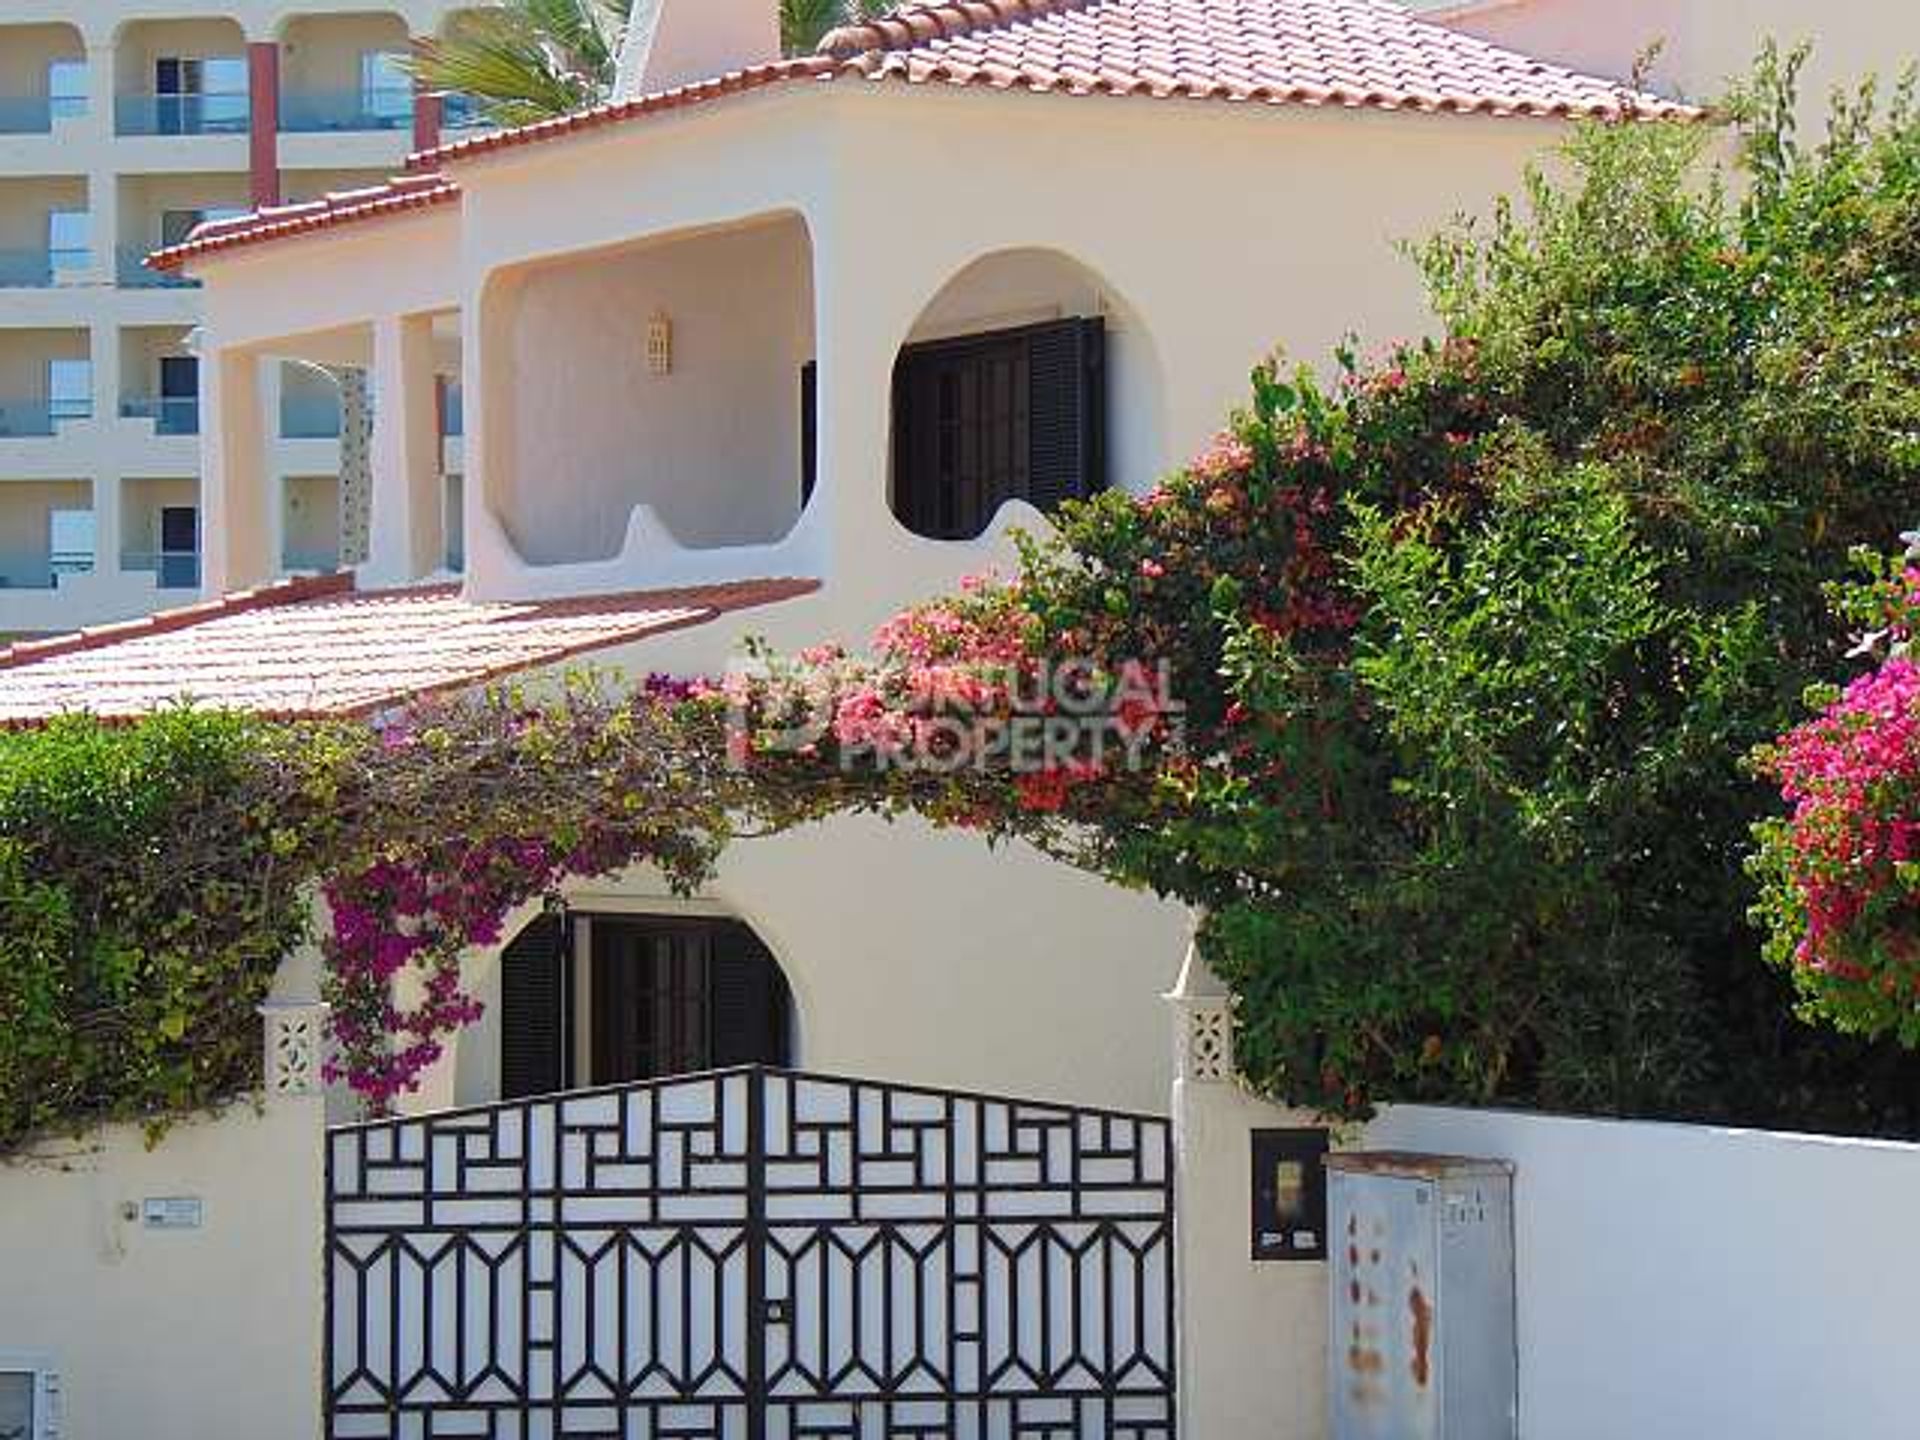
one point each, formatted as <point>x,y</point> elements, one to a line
<point>294,1034</point>
<point>356,467</point>
<point>1203,1023</point>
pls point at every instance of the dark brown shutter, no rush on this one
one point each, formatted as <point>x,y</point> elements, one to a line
<point>809,430</point>
<point>747,1000</point>
<point>533,1018</point>
<point>1014,414</point>
<point>1066,447</point>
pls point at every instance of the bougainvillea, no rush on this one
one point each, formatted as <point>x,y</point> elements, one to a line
<point>1840,872</point>
<point>1427,686</point>
<point>507,797</point>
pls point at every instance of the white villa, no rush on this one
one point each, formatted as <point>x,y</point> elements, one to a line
<point>776,346</point>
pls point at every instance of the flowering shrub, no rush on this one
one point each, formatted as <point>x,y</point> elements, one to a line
<point>505,798</point>
<point>1840,873</point>
<point>1429,687</point>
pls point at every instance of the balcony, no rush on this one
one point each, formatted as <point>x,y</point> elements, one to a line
<point>170,414</point>
<point>132,272</point>
<point>40,268</point>
<point>39,419</point>
<point>36,114</point>
<point>307,112</point>
<point>171,569</point>
<point>207,114</point>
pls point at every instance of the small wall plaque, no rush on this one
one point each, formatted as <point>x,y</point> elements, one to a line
<point>171,1212</point>
<point>1289,1195</point>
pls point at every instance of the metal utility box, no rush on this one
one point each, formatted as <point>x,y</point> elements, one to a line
<point>1422,1343</point>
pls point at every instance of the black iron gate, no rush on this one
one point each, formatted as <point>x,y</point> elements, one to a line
<point>752,1255</point>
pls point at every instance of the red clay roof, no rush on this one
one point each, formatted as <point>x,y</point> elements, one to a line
<point>1349,53</point>
<point>1353,54</point>
<point>309,648</point>
<point>397,196</point>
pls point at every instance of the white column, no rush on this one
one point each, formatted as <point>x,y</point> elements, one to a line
<point>1252,1335</point>
<point>103,354</point>
<point>407,541</point>
<point>103,181</point>
<point>238,510</point>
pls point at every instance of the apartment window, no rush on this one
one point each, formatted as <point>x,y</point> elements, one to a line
<point>640,998</point>
<point>1008,415</point>
<point>70,541</point>
<point>179,409</point>
<point>69,389</point>
<point>196,94</point>
<point>67,244</point>
<point>66,96</point>
<point>386,90</point>
<point>179,564</point>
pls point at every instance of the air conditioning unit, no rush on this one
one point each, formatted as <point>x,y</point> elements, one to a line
<point>29,1398</point>
<point>1423,1343</point>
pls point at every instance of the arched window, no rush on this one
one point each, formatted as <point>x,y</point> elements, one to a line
<point>1010,414</point>
<point>608,999</point>
<point>1027,376</point>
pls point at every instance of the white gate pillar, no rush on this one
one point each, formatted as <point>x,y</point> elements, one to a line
<point>1252,1334</point>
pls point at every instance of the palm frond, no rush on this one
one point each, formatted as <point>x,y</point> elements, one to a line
<point>805,23</point>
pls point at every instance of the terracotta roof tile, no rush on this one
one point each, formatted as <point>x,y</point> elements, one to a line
<point>1341,53</point>
<point>396,197</point>
<point>1352,53</point>
<point>1322,52</point>
<point>321,647</point>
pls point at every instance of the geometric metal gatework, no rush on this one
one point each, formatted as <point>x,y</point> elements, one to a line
<point>752,1254</point>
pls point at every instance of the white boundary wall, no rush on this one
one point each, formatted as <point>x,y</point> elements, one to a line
<point>207,1333</point>
<point>1675,1282</point>
<point>1678,1282</point>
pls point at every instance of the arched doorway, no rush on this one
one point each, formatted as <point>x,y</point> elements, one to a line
<point>609,999</point>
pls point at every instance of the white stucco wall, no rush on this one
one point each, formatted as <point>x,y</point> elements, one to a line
<point>194,1334</point>
<point>1678,1281</point>
<point>1674,1282</point>
<point>1705,44</point>
<point>713,448</point>
<point>920,956</point>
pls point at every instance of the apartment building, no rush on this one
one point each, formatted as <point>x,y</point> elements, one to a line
<point>123,125</point>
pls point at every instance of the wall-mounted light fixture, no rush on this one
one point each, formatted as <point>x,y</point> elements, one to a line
<point>660,344</point>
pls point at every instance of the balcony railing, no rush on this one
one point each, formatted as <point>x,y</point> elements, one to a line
<point>171,414</point>
<point>462,112</point>
<point>310,562</point>
<point>131,270</point>
<point>37,269</point>
<point>171,569</point>
<point>36,573</point>
<point>213,114</point>
<point>35,114</point>
<point>379,108</point>
<point>37,419</point>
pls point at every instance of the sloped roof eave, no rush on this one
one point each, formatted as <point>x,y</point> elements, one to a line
<point>320,648</point>
<point>1341,54</point>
